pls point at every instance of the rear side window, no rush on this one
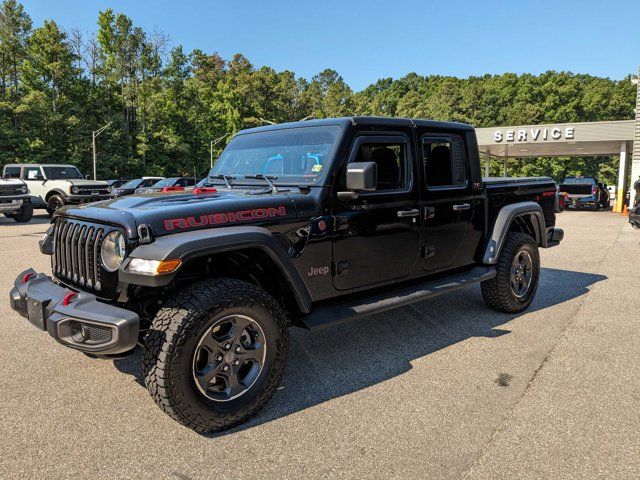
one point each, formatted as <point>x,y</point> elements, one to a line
<point>391,160</point>
<point>444,160</point>
<point>12,172</point>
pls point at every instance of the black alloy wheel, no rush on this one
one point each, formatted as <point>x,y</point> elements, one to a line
<point>229,358</point>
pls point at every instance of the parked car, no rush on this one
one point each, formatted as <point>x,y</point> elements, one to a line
<point>131,186</point>
<point>52,186</point>
<point>172,184</point>
<point>15,201</point>
<point>115,183</point>
<point>634,210</point>
<point>585,192</point>
<point>394,212</point>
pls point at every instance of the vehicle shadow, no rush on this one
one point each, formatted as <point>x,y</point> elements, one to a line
<point>38,219</point>
<point>330,363</point>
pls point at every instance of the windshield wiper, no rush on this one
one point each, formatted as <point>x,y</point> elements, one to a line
<point>227,179</point>
<point>266,178</point>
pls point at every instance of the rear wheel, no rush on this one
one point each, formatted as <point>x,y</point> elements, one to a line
<point>215,353</point>
<point>518,271</point>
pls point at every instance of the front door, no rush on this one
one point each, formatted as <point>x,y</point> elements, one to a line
<point>449,207</point>
<point>377,236</point>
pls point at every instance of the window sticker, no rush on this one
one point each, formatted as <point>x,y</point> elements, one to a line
<point>317,167</point>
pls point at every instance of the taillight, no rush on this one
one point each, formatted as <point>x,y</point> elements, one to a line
<point>200,190</point>
<point>594,190</point>
<point>172,189</point>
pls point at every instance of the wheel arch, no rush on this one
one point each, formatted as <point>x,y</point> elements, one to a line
<point>55,191</point>
<point>249,253</point>
<point>525,217</point>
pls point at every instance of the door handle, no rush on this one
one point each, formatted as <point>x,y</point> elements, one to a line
<point>408,213</point>
<point>461,206</point>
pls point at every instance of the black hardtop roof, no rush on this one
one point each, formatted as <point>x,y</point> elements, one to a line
<point>352,121</point>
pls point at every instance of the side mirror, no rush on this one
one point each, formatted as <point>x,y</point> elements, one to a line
<point>361,177</point>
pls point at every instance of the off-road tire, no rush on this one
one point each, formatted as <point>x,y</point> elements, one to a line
<point>497,292</point>
<point>171,340</point>
<point>24,215</point>
<point>54,202</point>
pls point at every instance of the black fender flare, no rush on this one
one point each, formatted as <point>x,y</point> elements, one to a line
<point>189,245</point>
<point>505,217</point>
<point>56,191</point>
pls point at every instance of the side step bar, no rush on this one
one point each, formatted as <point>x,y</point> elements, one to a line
<point>321,317</point>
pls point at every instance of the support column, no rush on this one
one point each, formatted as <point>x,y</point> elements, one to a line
<point>622,179</point>
<point>505,171</point>
<point>487,166</point>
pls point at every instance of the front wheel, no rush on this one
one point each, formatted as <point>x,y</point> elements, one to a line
<point>24,215</point>
<point>54,203</point>
<point>518,271</point>
<point>215,353</point>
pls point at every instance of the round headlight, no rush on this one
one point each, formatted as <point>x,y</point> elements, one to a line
<point>75,190</point>
<point>113,251</point>
<point>24,190</point>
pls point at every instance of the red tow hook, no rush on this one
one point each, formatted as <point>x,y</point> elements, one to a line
<point>67,298</point>
<point>26,277</point>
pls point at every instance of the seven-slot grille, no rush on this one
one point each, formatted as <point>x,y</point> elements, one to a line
<point>10,189</point>
<point>76,252</point>
<point>95,190</point>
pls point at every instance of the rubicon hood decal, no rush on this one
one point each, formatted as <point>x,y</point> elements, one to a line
<point>237,216</point>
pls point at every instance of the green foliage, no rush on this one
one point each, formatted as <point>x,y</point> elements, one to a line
<point>167,106</point>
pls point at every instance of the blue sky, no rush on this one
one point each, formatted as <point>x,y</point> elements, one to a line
<point>368,40</point>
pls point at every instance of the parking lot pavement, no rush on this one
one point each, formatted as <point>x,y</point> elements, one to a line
<point>442,389</point>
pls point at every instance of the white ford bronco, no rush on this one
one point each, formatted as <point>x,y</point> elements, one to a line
<point>15,202</point>
<point>53,186</point>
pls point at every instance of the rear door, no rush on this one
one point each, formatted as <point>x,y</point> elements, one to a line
<point>377,236</point>
<point>449,203</point>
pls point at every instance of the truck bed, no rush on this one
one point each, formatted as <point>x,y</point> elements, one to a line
<point>500,181</point>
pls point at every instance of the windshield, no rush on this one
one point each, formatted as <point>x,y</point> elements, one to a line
<point>289,156</point>
<point>132,183</point>
<point>62,173</point>
<point>167,182</point>
<point>580,180</point>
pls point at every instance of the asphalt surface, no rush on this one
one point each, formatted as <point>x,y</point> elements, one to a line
<point>442,389</point>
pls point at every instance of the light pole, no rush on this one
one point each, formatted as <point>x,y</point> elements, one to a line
<point>94,134</point>
<point>213,144</point>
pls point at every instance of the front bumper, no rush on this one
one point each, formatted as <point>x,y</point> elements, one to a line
<point>13,204</point>
<point>80,199</point>
<point>554,236</point>
<point>75,319</point>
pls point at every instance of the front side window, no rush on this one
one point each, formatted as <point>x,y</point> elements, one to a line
<point>289,156</point>
<point>12,172</point>
<point>62,173</point>
<point>32,173</point>
<point>390,159</point>
<point>444,161</point>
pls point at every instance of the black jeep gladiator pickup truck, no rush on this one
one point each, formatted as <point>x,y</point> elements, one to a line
<point>304,224</point>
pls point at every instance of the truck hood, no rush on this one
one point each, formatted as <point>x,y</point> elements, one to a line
<point>81,182</point>
<point>169,213</point>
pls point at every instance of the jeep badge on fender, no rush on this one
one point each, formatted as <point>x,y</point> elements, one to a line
<point>302,224</point>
